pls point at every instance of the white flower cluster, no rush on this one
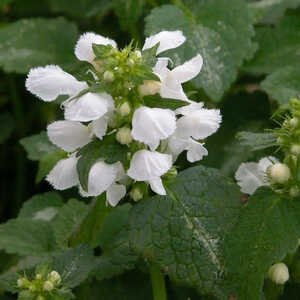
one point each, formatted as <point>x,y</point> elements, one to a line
<point>161,134</point>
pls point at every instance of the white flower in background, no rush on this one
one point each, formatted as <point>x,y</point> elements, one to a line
<point>151,125</point>
<point>250,176</point>
<point>196,123</point>
<point>103,177</point>
<point>150,166</point>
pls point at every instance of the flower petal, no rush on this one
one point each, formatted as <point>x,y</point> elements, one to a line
<point>161,67</point>
<point>187,109</point>
<point>146,165</point>
<point>49,82</point>
<point>115,193</point>
<point>189,70</point>
<point>64,174</point>
<point>172,89</point>
<point>199,124</point>
<point>150,125</point>
<point>101,177</point>
<point>68,135</point>
<point>249,177</point>
<point>167,39</point>
<point>99,127</point>
<point>84,46</point>
<point>195,151</point>
<point>89,107</point>
<point>157,186</point>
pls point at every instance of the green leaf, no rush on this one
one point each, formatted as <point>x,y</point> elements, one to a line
<point>107,149</point>
<point>38,146</point>
<point>270,11</point>
<point>47,163</point>
<point>257,141</point>
<point>68,221</point>
<point>117,257</point>
<point>149,56</point>
<point>220,35</point>
<point>42,207</point>
<point>184,231</point>
<point>6,126</point>
<point>29,43</point>
<point>267,229</point>
<point>128,12</point>
<point>92,225</point>
<point>283,84</point>
<point>74,264</point>
<point>81,8</point>
<point>269,58</point>
<point>27,237</point>
<point>158,101</point>
<point>102,51</point>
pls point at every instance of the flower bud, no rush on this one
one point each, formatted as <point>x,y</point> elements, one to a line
<point>280,140</point>
<point>137,54</point>
<point>136,194</point>
<point>295,149</point>
<point>48,286</point>
<point>294,191</point>
<point>171,173</point>
<point>124,109</point>
<point>279,173</point>
<point>279,273</point>
<point>124,136</point>
<point>149,87</point>
<point>40,297</point>
<point>32,287</point>
<point>55,278</point>
<point>294,122</point>
<point>38,276</point>
<point>108,76</point>
<point>22,282</point>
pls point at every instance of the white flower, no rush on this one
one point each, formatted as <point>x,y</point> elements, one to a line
<point>84,47</point>
<point>166,39</point>
<point>150,125</point>
<point>150,166</point>
<point>72,135</point>
<point>251,176</point>
<point>279,273</point>
<point>49,82</point>
<point>171,80</point>
<point>196,123</point>
<point>103,177</point>
<point>64,174</point>
<point>88,107</point>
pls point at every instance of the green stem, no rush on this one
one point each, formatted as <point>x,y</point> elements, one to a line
<point>158,283</point>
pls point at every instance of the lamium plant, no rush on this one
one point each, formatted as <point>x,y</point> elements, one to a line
<point>150,150</point>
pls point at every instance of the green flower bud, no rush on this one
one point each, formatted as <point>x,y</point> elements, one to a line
<point>23,282</point>
<point>40,297</point>
<point>149,87</point>
<point>294,122</point>
<point>124,109</point>
<point>295,149</point>
<point>48,286</point>
<point>55,278</point>
<point>171,173</point>
<point>32,287</point>
<point>279,273</point>
<point>136,194</point>
<point>280,140</point>
<point>294,191</point>
<point>279,173</point>
<point>38,276</point>
<point>108,76</point>
<point>124,136</point>
<point>137,54</point>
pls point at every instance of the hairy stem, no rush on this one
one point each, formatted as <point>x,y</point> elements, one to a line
<point>158,283</point>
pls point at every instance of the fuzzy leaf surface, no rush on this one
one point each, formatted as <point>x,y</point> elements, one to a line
<point>29,43</point>
<point>184,231</point>
<point>268,228</point>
